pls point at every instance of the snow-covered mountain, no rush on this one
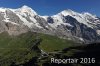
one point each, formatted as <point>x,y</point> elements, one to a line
<point>67,24</point>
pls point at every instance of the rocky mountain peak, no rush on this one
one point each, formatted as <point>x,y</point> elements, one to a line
<point>25,10</point>
<point>28,9</point>
<point>67,12</point>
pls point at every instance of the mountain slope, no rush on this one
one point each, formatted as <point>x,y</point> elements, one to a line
<point>80,27</point>
<point>20,50</point>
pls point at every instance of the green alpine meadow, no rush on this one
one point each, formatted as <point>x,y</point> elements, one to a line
<point>21,49</point>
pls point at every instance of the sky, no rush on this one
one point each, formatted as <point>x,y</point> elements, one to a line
<point>51,7</point>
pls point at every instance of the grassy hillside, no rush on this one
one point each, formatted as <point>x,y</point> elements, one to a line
<point>52,43</point>
<point>18,50</point>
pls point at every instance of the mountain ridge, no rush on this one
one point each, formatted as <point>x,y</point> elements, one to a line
<point>80,27</point>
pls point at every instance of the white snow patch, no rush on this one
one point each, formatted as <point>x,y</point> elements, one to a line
<point>66,12</point>
<point>29,24</point>
<point>33,19</point>
<point>45,17</point>
<point>2,9</point>
<point>98,32</point>
<point>35,22</point>
<point>25,21</point>
<point>68,24</point>
<point>81,39</point>
<point>57,21</point>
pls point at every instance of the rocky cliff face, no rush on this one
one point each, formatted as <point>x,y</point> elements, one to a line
<point>80,27</point>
